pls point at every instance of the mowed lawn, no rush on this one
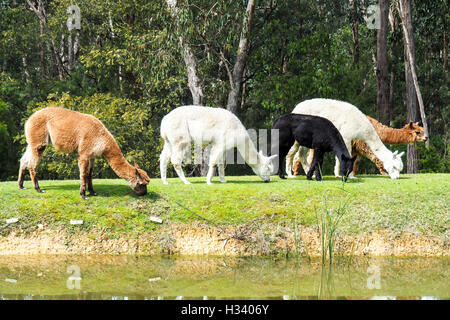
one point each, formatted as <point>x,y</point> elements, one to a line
<point>414,203</point>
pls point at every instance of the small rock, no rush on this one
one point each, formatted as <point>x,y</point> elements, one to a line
<point>155,219</point>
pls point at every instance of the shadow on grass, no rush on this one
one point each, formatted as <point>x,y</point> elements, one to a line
<point>104,190</point>
<point>379,176</point>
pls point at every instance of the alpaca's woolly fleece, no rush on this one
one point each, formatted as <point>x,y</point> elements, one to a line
<point>352,124</point>
<point>408,134</point>
<point>312,132</point>
<point>71,131</point>
<point>216,127</point>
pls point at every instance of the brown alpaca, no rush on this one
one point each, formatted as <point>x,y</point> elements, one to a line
<point>71,131</point>
<point>410,133</point>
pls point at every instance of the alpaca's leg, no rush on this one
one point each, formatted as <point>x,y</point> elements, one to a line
<point>215,157</point>
<point>312,168</point>
<point>289,157</point>
<point>176,158</point>
<point>380,167</point>
<point>372,157</point>
<point>318,162</point>
<point>348,144</point>
<point>296,164</point>
<point>83,164</point>
<point>337,168</point>
<point>305,157</point>
<point>91,171</point>
<point>164,160</point>
<point>222,172</point>
<point>308,160</point>
<point>23,166</point>
<point>355,152</point>
<point>356,164</point>
<point>35,158</point>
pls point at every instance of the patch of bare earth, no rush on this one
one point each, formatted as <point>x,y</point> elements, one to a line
<point>201,239</point>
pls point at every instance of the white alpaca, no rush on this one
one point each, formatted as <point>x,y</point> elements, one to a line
<point>352,124</point>
<point>208,126</point>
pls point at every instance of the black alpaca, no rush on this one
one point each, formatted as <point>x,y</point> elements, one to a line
<point>315,133</point>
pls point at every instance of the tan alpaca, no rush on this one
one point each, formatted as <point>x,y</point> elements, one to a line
<point>71,131</point>
<point>410,133</point>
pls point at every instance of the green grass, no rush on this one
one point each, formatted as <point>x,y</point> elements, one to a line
<point>415,203</point>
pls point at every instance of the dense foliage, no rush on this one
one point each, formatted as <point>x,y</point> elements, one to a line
<point>125,66</point>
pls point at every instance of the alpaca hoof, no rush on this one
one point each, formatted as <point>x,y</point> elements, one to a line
<point>223,181</point>
<point>291,176</point>
<point>165,182</point>
<point>84,198</point>
<point>187,182</point>
<point>352,177</point>
<point>93,193</point>
<point>40,191</point>
<point>22,188</point>
<point>308,178</point>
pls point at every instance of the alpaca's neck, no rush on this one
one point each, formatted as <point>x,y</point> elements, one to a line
<point>390,135</point>
<point>246,148</point>
<point>395,136</point>
<point>339,147</point>
<point>118,163</point>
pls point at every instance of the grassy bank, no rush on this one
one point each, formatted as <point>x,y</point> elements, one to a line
<point>415,203</point>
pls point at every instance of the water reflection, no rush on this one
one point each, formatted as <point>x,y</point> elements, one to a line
<point>167,278</point>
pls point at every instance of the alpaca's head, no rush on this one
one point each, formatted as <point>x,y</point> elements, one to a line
<point>264,167</point>
<point>346,164</point>
<point>416,132</point>
<point>394,165</point>
<point>139,181</point>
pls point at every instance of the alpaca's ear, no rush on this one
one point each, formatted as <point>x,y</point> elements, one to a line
<point>400,154</point>
<point>411,125</point>
<point>354,158</point>
<point>138,176</point>
<point>260,153</point>
<point>273,157</point>
<point>395,153</point>
<point>136,165</point>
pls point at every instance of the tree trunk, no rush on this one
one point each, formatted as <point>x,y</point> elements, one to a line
<point>39,11</point>
<point>355,26</point>
<point>194,81</point>
<point>444,63</point>
<point>42,49</point>
<point>404,9</point>
<point>195,87</point>
<point>382,64</point>
<point>411,96</point>
<point>391,99</point>
<point>239,65</point>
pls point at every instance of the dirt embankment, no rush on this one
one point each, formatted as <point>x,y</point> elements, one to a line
<point>202,239</point>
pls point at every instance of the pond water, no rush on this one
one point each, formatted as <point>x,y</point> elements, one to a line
<point>162,277</point>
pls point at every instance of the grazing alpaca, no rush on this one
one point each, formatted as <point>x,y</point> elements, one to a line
<point>205,125</point>
<point>315,133</point>
<point>410,133</point>
<point>352,124</point>
<point>71,131</point>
